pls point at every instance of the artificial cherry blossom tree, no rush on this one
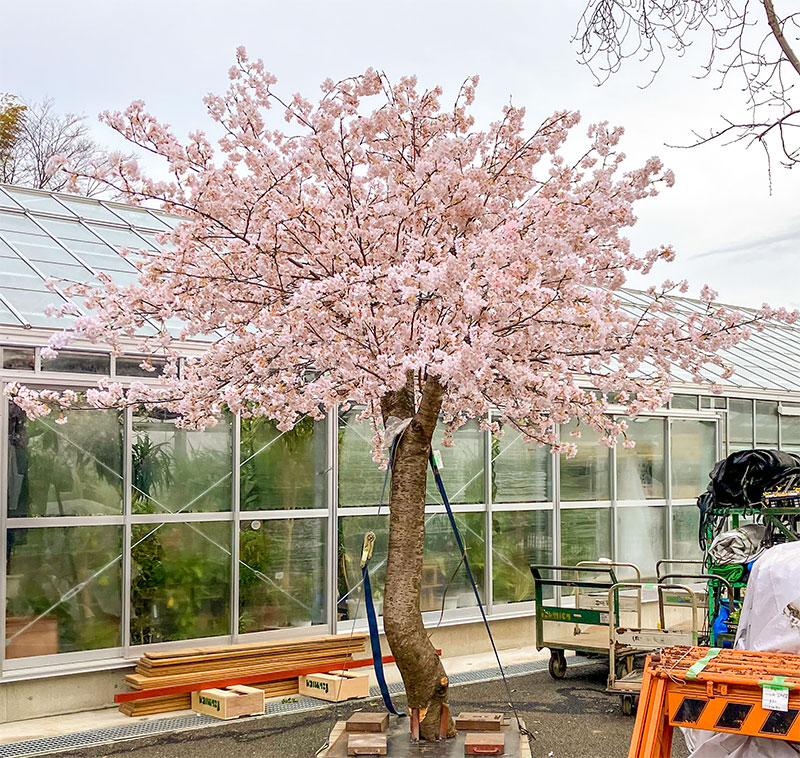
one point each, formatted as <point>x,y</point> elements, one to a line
<point>379,250</point>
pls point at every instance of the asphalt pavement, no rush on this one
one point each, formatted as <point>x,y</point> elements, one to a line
<point>571,718</point>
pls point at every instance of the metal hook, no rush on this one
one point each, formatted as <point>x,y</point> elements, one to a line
<point>369,544</point>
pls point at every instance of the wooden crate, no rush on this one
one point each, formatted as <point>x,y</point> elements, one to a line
<point>230,703</point>
<point>366,744</point>
<point>485,743</point>
<point>335,687</point>
<point>479,722</point>
<point>364,721</point>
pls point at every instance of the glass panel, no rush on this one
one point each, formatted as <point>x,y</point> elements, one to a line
<point>360,479</point>
<point>685,527</point>
<point>7,202</point>
<point>180,581</point>
<point>766,424</point>
<point>283,470</point>
<point>282,574</point>
<point>37,201</point>
<point>640,470</point>
<point>89,209</point>
<point>586,476</point>
<point>7,317</point>
<point>180,470</point>
<point>462,465</point>
<point>684,402</point>
<point>120,237</point>
<point>740,424</point>
<point>790,430</point>
<point>585,535</point>
<point>31,305</point>
<point>64,589</point>
<point>129,365</point>
<point>709,401</point>
<point>18,223</point>
<point>65,273</point>
<point>350,598</point>
<point>154,243</point>
<point>521,471</point>
<point>38,248</point>
<point>68,230</point>
<point>99,255</point>
<point>19,358</point>
<point>78,363</point>
<point>170,221</point>
<point>17,273</point>
<point>694,453</point>
<point>642,536</point>
<point>444,580</point>
<point>519,538</point>
<point>139,217</point>
<point>71,469</point>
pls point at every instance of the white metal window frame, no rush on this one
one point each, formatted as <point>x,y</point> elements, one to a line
<point>127,652</point>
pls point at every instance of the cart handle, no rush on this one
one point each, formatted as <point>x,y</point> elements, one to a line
<point>676,562</point>
<point>682,587</point>
<point>707,577</point>
<point>613,564</point>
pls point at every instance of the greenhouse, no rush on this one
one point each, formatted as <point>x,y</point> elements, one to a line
<point>123,531</point>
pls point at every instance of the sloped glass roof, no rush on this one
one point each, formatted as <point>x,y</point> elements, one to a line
<point>45,235</point>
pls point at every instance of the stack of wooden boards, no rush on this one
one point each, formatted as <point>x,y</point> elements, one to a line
<point>202,665</point>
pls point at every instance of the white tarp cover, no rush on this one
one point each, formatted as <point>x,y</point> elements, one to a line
<point>770,621</point>
<point>740,545</point>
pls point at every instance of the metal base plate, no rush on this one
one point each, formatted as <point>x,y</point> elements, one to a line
<point>400,745</point>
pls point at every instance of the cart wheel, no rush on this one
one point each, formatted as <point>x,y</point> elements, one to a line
<point>623,666</point>
<point>627,705</point>
<point>558,664</point>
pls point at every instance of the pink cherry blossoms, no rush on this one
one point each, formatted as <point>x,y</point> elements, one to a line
<point>377,235</point>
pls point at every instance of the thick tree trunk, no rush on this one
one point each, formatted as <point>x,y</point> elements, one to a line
<point>423,674</point>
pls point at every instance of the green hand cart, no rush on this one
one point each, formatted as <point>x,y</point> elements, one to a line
<point>563,624</point>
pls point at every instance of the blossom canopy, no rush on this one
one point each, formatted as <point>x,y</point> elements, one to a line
<point>378,237</point>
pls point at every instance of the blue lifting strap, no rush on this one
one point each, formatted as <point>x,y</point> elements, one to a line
<point>375,642</point>
<point>372,619</point>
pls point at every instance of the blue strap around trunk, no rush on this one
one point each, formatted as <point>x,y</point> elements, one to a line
<point>372,619</point>
<point>375,642</point>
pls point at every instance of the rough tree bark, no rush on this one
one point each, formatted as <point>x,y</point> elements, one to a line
<point>423,674</point>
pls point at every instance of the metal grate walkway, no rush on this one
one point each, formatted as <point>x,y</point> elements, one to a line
<point>139,729</point>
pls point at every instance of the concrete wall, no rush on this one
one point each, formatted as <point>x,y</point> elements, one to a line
<point>54,695</point>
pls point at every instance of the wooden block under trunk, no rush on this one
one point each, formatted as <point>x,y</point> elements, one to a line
<point>368,722</point>
<point>479,722</point>
<point>366,744</point>
<point>335,687</point>
<point>484,743</point>
<point>230,703</point>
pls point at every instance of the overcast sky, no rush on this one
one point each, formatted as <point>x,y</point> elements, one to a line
<point>727,229</point>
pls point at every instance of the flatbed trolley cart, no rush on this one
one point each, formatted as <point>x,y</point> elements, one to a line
<point>623,679</point>
<point>588,641</point>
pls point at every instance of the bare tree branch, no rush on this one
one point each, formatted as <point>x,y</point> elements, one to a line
<point>41,135</point>
<point>745,38</point>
